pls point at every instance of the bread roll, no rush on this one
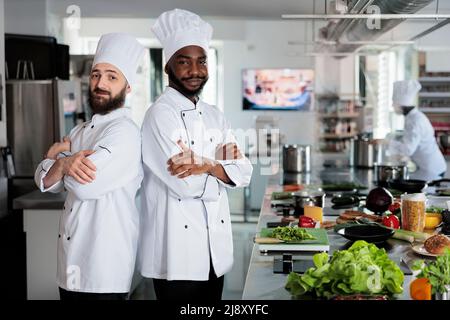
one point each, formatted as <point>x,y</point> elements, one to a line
<point>437,244</point>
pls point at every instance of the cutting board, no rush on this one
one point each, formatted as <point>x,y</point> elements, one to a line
<point>321,243</point>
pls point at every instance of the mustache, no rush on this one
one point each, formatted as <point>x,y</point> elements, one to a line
<point>193,78</point>
<point>100,91</point>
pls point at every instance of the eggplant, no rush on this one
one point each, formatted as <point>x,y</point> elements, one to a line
<point>378,200</point>
<point>446,217</point>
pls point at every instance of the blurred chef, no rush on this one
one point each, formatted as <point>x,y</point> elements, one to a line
<point>190,158</point>
<point>418,141</point>
<point>99,164</point>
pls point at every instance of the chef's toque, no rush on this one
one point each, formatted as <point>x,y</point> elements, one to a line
<point>122,51</point>
<point>405,92</point>
<point>178,28</point>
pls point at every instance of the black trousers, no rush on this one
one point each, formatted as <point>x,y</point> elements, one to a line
<point>66,295</point>
<point>199,291</point>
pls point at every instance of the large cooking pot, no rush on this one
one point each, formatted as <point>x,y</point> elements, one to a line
<point>386,172</point>
<point>296,158</point>
<point>365,152</point>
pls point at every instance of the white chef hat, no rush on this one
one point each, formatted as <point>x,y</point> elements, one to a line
<point>405,92</point>
<point>122,51</point>
<point>179,28</point>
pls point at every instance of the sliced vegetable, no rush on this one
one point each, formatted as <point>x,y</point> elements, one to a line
<point>291,234</point>
<point>420,289</point>
<point>391,221</point>
<point>306,222</point>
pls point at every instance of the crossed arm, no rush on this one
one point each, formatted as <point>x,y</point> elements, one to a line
<point>77,166</point>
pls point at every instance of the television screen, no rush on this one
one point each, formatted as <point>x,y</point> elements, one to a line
<point>277,89</point>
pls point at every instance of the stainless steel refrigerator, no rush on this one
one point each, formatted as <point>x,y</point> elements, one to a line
<point>39,112</point>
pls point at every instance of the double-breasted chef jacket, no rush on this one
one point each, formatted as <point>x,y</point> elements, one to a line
<point>99,226</point>
<point>419,143</point>
<point>185,223</point>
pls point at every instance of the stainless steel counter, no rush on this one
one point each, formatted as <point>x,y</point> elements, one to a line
<point>40,201</point>
<point>262,283</point>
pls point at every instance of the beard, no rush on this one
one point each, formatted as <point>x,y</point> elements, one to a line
<point>182,88</point>
<point>102,106</point>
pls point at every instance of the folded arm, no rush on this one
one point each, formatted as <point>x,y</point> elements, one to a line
<point>160,136</point>
<point>116,158</point>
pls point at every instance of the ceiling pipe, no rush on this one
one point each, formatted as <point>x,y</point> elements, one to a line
<point>394,16</point>
<point>430,30</point>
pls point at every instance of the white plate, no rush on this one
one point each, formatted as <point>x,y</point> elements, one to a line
<point>420,249</point>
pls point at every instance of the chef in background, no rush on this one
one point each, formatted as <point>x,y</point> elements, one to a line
<point>190,159</point>
<point>418,141</point>
<point>99,165</point>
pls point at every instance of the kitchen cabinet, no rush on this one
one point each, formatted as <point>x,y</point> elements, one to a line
<point>434,97</point>
<point>338,122</point>
<point>41,215</point>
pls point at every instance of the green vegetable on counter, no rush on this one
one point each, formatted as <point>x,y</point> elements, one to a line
<point>282,195</point>
<point>418,236</point>
<point>291,234</point>
<point>437,272</point>
<point>342,186</point>
<point>362,269</point>
<point>434,209</point>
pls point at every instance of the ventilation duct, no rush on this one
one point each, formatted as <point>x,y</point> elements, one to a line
<point>347,30</point>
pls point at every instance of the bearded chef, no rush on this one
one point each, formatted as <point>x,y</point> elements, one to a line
<point>418,141</point>
<point>190,159</point>
<point>99,164</point>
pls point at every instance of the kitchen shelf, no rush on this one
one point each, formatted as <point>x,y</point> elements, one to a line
<point>434,79</point>
<point>338,136</point>
<point>434,94</point>
<point>435,110</point>
<point>339,116</point>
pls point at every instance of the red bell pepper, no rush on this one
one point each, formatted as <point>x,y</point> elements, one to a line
<point>306,222</point>
<point>391,221</point>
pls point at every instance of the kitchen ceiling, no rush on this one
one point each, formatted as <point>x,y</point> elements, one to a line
<point>252,9</point>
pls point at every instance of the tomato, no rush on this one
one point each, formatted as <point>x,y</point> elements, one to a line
<point>306,222</point>
<point>394,207</point>
<point>391,221</point>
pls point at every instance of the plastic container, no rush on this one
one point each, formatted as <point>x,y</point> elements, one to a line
<point>413,211</point>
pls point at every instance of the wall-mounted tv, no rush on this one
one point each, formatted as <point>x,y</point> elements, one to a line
<point>277,89</point>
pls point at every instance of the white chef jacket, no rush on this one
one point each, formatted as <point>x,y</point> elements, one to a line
<point>185,222</point>
<point>99,226</point>
<point>419,143</point>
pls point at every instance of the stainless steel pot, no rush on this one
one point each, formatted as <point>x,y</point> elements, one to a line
<point>365,152</point>
<point>296,158</point>
<point>387,172</point>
